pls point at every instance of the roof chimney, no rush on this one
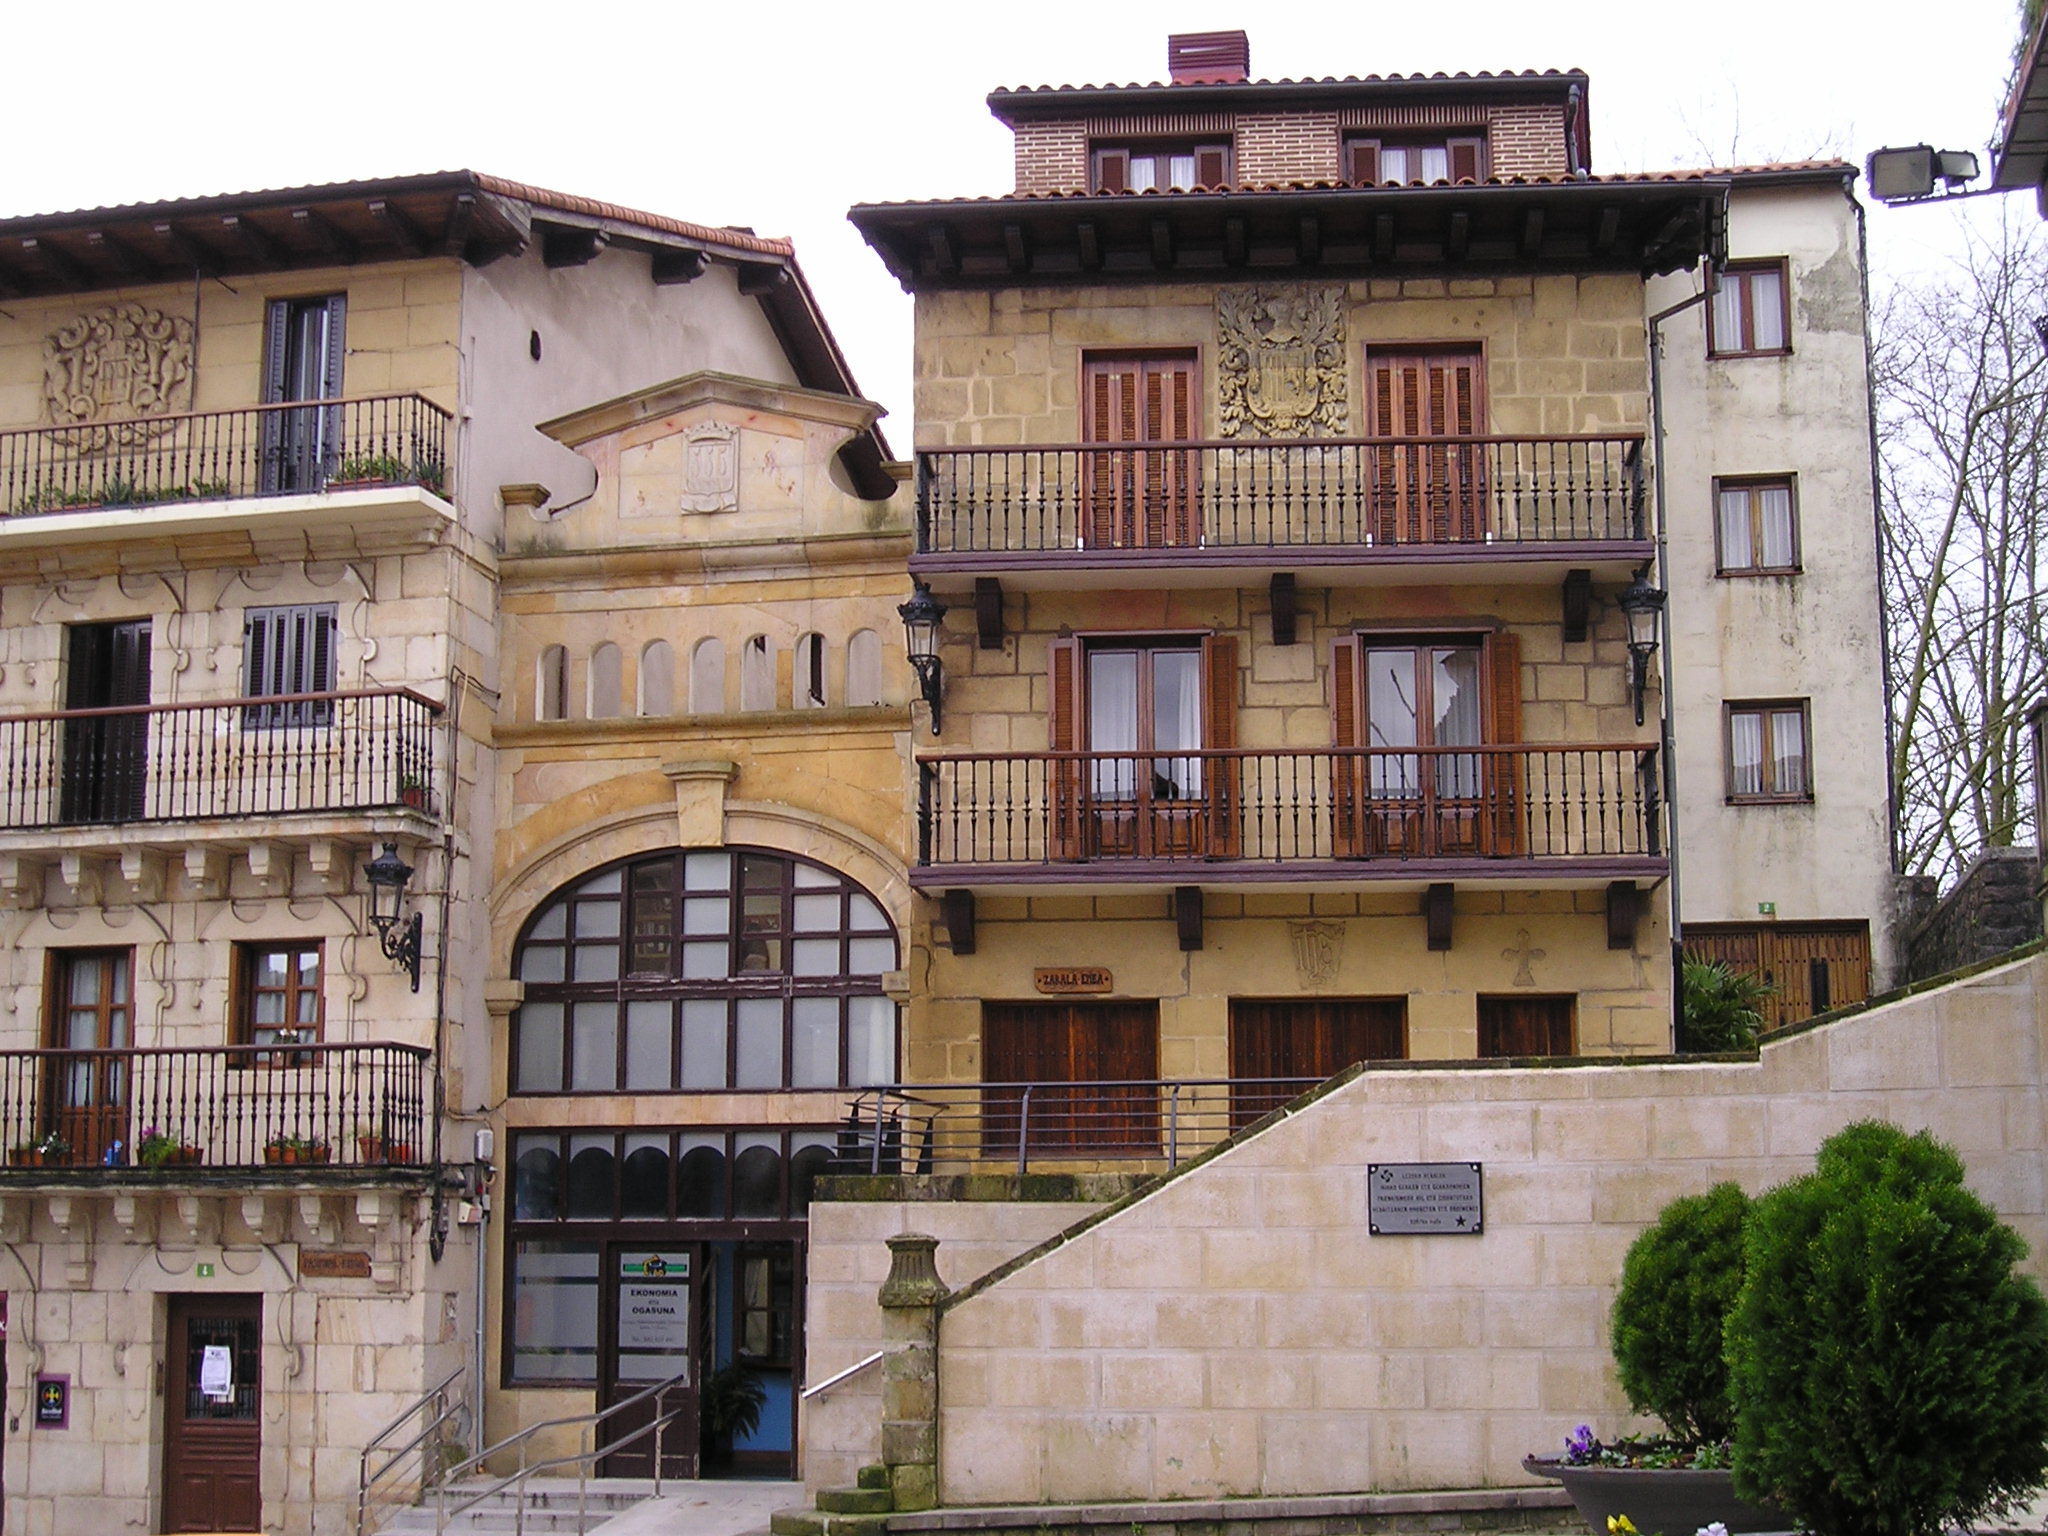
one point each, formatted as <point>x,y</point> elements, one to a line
<point>1208,58</point>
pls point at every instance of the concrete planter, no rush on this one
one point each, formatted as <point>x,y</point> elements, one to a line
<point>1659,1501</point>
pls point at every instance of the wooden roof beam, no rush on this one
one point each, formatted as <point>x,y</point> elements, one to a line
<point>671,266</point>
<point>1532,232</point>
<point>201,258</point>
<point>404,233</point>
<point>1308,239</point>
<point>570,245</point>
<point>1016,250</point>
<point>59,263</point>
<point>254,240</point>
<point>1458,238</point>
<point>461,219</point>
<point>323,236</point>
<point>758,279</point>
<point>1162,242</point>
<point>1088,241</point>
<point>122,257</point>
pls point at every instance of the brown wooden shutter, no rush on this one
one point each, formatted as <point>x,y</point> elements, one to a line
<point>1507,773</point>
<point>1112,170</point>
<point>1365,161</point>
<point>1066,780</point>
<point>1468,159</point>
<point>1525,1026</point>
<point>1223,778</point>
<point>1212,165</point>
<point>1347,773</point>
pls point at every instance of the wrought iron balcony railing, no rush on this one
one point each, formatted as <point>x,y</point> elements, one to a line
<point>1356,495</point>
<point>230,1106</point>
<point>1169,812</point>
<point>950,1128</point>
<point>310,752</point>
<point>259,450</point>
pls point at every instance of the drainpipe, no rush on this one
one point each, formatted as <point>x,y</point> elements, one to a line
<point>1884,618</point>
<point>1663,561</point>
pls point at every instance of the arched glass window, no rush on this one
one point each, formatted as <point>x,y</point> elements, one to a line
<point>807,685</point>
<point>657,678</point>
<point>606,681</point>
<point>705,969</point>
<point>863,668</point>
<point>707,677</point>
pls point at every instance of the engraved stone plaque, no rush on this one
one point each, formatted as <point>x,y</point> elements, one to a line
<point>1406,1199</point>
<point>711,468</point>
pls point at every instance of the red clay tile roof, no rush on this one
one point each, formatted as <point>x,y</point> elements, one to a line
<point>1253,85</point>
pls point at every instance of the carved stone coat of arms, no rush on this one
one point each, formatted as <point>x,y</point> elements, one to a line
<point>115,373</point>
<point>1282,355</point>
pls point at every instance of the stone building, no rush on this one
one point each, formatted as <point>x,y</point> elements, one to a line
<point>274,501</point>
<point>1400,584</point>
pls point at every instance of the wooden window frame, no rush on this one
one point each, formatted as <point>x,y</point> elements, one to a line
<point>1569,998</point>
<point>1377,141</point>
<point>1109,162</point>
<point>242,1013</point>
<point>1742,272</point>
<point>1764,709</point>
<point>288,649</point>
<point>1789,484</point>
<point>782,1330</point>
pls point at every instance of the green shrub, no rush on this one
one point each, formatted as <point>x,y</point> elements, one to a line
<point>1720,1009</point>
<point>1677,1284</point>
<point>1889,1367</point>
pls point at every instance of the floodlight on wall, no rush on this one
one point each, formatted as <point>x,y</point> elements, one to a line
<point>1644,606</point>
<point>1919,171</point>
<point>922,616</point>
<point>399,937</point>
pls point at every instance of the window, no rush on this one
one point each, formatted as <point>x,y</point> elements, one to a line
<point>278,998</point>
<point>1411,701</point>
<point>1427,491</point>
<point>757,674</point>
<point>863,669</point>
<point>1768,758</point>
<point>709,969</point>
<point>91,1009</point>
<point>657,678</point>
<point>288,651</point>
<point>1161,167</point>
<point>1145,707</point>
<point>707,677</point>
<point>303,356</point>
<point>1751,313</point>
<point>551,684</point>
<point>1145,497</point>
<point>1756,530</point>
<point>1377,159</point>
<point>1519,1025</point>
<point>808,682</point>
<point>607,681</point>
<point>766,1304</point>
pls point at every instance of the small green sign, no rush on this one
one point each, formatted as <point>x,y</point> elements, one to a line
<point>656,1266</point>
<point>205,1271</point>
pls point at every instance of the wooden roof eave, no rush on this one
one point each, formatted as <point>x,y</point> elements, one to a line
<point>1646,227</point>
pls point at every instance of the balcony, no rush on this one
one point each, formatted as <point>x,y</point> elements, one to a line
<point>295,1111</point>
<point>151,779</point>
<point>1083,821</point>
<point>1353,510</point>
<point>388,454</point>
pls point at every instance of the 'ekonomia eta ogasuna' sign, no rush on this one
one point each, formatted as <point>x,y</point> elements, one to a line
<point>1425,1198</point>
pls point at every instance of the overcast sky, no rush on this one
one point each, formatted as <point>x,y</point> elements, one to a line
<point>781,116</point>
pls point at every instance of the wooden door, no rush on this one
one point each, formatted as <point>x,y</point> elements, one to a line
<point>1426,492</point>
<point>105,775</point>
<point>1142,497</point>
<point>1518,1024</point>
<point>92,1014</point>
<point>213,1383</point>
<point>652,1330</point>
<point>1297,1037</point>
<point>1071,1047</point>
<point>303,357</point>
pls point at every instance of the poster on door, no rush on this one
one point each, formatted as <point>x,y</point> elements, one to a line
<point>654,1315</point>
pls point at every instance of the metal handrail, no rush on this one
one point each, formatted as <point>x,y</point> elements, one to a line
<point>832,1381</point>
<point>582,1459</point>
<point>446,1408</point>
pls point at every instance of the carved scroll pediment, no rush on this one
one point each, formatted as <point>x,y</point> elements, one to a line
<point>1282,353</point>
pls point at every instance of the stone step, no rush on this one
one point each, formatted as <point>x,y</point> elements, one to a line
<point>855,1501</point>
<point>481,1521</point>
<point>816,1522</point>
<point>873,1475</point>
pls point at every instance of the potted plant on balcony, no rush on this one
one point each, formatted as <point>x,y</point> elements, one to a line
<point>1678,1283</point>
<point>163,1149</point>
<point>368,469</point>
<point>372,1147</point>
<point>412,790</point>
<point>48,1150</point>
<point>293,1148</point>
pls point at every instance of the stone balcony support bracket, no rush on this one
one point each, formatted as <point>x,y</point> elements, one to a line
<point>910,1300</point>
<point>701,789</point>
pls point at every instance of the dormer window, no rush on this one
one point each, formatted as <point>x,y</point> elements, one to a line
<point>1409,158</point>
<point>1160,167</point>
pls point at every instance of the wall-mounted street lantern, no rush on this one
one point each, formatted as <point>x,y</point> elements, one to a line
<point>388,874</point>
<point>922,616</point>
<point>1916,171</point>
<point>1644,605</point>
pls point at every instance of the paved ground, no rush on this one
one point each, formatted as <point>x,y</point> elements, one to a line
<point>720,1507</point>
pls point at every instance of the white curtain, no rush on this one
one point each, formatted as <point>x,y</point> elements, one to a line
<point>1745,753</point>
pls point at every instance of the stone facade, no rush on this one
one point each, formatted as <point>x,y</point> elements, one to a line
<point>1994,907</point>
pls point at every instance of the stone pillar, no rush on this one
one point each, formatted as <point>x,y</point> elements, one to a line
<point>910,1300</point>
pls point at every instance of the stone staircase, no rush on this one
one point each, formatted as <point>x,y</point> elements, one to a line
<point>551,1508</point>
<point>862,1510</point>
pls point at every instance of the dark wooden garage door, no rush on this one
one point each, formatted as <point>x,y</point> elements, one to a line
<point>1811,967</point>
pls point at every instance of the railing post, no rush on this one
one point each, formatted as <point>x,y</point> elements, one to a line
<point>1652,802</point>
<point>1024,1131</point>
<point>924,503</point>
<point>1173,1126</point>
<point>910,1300</point>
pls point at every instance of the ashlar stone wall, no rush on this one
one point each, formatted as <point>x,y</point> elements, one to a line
<point>1239,1330</point>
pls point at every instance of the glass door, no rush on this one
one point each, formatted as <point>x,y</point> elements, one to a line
<point>651,1336</point>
